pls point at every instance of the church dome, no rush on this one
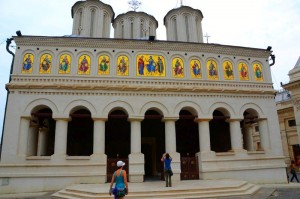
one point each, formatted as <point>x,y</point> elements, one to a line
<point>92,18</point>
<point>134,25</point>
<point>184,24</point>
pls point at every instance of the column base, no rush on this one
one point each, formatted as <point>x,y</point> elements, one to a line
<point>136,167</point>
<point>56,158</point>
<point>99,158</point>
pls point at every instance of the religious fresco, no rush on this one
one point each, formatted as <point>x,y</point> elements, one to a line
<point>195,67</point>
<point>177,67</point>
<point>123,65</point>
<point>150,65</point>
<point>27,65</point>
<point>228,70</point>
<point>212,69</point>
<point>104,65</point>
<point>45,64</point>
<point>243,71</point>
<point>84,65</point>
<point>64,64</point>
<point>257,69</point>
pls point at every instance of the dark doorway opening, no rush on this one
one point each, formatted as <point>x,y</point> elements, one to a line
<point>117,135</point>
<point>219,132</point>
<point>153,144</point>
<point>187,140</point>
<point>80,134</point>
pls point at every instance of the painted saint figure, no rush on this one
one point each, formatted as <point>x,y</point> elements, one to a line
<point>196,69</point>
<point>27,64</point>
<point>151,65</point>
<point>103,64</point>
<point>84,65</point>
<point>160,66</point>
<point>258,72</point>
<point>64,64</point>
<point>178,68</point>
<point>243,71</point>
<point>212,69</point>
<point>46,63</point>
<point>228,70</point>
<point>141,65</point>
<point>122,65</point>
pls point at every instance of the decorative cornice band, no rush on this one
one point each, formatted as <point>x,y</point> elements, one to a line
<point>140,44</point>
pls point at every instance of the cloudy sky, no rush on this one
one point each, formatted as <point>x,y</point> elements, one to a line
<point>248,23</point>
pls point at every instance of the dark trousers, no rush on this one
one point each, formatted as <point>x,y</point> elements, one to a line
<point>294,175</point>
<point>168,179</point>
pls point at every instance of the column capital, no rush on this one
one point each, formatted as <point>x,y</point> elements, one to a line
<point>67,119</point>
<point>27,117</point>
<point>202,119</point>
<point>100,119</point>
<point>135,118</point>
<point>234,119</point>
<point>171,118</point>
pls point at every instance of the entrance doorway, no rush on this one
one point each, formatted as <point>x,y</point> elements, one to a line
<point>153,144</point>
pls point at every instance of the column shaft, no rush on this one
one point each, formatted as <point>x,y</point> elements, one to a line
<point>264,134</point>
<point>204,136</point>
<point>61,132</point>
<point>236,135</point>
<point>99,137</point>
<point>135,136</point>
<point>170,135</point>
<point>23,138</point>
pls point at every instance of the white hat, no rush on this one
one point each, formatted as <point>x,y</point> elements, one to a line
<point>120,163</point>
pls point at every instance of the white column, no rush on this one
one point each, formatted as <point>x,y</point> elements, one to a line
<point>170,134</point>
<point>264,134</point>
<point>249,138</point>
<point>23,137</point>
<point>236,135</point>
<point>61,132</point>
<point>42,142</point>
<point>204,135</point>
<point>136,158</point>
<point>99,136</point>
<point>135,136</point>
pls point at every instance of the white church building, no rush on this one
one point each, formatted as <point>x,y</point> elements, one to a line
<point>77,104</point>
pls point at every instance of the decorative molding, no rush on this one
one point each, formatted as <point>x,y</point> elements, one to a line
<point>296,102</point>
<point>70,42</point>
<point>167,87</point>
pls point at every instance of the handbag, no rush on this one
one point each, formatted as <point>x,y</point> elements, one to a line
<point>118,192</point>
<point>170,172</point>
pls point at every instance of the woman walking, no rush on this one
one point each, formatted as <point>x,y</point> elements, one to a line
<point>120,178</point>
<point>166,158</point>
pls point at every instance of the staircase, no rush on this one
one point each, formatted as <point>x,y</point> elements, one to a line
<point>157,190</point>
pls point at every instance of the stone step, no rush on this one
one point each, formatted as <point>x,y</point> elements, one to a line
<point>186,190</point>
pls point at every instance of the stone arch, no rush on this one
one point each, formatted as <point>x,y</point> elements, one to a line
<point>157,106</point>
<point>225,108</point>
<point>252,107</point>
<point>40,104</point>
<point>80,104</point>
<point>189,106</point>
<point>121,105</point>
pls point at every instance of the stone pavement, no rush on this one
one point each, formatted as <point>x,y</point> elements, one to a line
<point>267,191</point>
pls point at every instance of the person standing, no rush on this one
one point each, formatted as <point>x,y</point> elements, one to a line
<point>166,158</point>
<point>120,178</point>
<point>293,171</point>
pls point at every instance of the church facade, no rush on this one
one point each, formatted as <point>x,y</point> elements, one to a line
<point>77,104</point>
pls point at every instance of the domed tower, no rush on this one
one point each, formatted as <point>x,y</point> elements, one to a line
<point>134,25</point>
<point>184,24</point>
<point>92,18</point>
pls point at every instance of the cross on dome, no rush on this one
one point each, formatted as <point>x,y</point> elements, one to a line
<point>134,4</point>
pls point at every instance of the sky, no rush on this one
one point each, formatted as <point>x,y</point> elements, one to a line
<point>247,23</point>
